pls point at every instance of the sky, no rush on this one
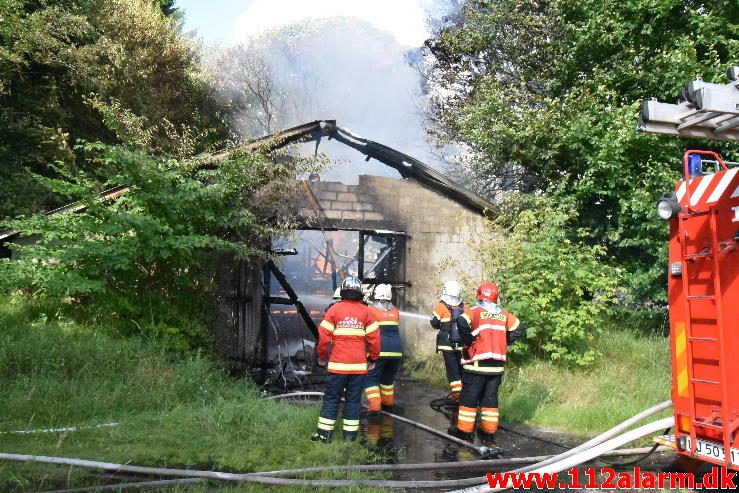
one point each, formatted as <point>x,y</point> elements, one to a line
<point>228,21</point>
<point>357,58</point>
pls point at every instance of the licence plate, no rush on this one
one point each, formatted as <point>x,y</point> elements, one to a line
<point>713,450</point>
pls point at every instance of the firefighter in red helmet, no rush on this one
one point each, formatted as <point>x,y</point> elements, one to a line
<point>486,332</point>
<point>348,345</point>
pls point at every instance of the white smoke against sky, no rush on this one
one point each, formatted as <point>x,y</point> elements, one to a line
<point>353,68</point>
<point>404,19</point>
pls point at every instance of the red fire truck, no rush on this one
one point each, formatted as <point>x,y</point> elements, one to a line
<point>703,275</point>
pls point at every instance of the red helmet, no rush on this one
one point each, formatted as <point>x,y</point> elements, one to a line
<point>488,291</point>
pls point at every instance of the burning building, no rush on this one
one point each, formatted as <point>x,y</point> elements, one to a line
<point>413,233</point>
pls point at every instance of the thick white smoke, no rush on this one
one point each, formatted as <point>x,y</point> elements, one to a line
<point>339,68</point>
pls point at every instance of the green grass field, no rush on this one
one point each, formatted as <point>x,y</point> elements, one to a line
<point>172,410</point>
<point>632,375</point>
<point>177,410</point>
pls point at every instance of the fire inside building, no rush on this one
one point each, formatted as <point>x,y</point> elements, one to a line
<point>413,233</point>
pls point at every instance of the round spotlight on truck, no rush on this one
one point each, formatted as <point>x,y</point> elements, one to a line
<point>668,206</point>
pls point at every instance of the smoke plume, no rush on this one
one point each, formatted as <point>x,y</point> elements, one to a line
<point>333,68</point>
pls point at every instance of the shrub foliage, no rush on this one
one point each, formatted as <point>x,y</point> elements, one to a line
<point>551,278</point>
<point>144,262</point>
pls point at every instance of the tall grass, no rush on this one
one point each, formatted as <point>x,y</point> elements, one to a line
<point>172,409</point>
<point>632,374</point>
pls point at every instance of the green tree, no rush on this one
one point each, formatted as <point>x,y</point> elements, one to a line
<point>558,285</point>
<point>547,96</point>
<point>168,6</point>
<point>144,262</point>
<point>55,55</point>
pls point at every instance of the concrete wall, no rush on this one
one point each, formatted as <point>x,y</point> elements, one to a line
<point>441,235</point>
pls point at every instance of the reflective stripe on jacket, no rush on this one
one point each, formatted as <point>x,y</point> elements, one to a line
<point>353,332</point>
<point>489,332</point>
<point>391,342</point>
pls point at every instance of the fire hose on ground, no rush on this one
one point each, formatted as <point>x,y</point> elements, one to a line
<point>593,448</point>
<point>434,466</point>
<point>566,463</point>
<point>483,451</point>
<point>444,466</point>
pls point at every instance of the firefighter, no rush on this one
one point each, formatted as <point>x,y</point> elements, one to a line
<point>351,330</point>
<point>336,298</point>
<point>380,384</point>
<point>486,331</point>
<point>448,343</point>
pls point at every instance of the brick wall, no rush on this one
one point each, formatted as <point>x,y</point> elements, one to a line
<point>440,244</point>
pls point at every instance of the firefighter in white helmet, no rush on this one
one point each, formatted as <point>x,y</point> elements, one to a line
<point>380,383</point>
<point>336,298</point>
<point>448,342</point>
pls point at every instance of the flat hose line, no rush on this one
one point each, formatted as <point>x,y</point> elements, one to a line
<point>566,459</point>
<point>262,478</point>
<point>566,463</point>
<point>441,405</point>
<point>445,466</point>
<point>136,485</point>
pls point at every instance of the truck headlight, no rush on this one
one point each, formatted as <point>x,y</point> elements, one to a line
<point>668,206</point>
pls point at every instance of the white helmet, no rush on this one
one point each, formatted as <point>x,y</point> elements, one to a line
<point>337,294</point>
<point>451,293</point>
<point>383,292</point>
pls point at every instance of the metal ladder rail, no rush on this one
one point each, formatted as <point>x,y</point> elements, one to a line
<point>683,235</point>
<point>716,249</point>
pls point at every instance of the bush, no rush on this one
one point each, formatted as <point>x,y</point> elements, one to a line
<point>550,277</point>
<point>143,263</point>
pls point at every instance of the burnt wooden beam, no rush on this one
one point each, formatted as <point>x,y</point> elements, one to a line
<point>293,297</point>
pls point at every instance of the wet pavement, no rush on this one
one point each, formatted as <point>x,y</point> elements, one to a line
<point>403,443</point>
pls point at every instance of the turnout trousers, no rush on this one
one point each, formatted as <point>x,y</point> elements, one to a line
<point>453,364</point>
<point>336,385</point>
<point>479,390</point>
<point>380,383</point>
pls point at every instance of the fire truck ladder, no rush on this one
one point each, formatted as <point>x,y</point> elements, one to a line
<point>726,427</point>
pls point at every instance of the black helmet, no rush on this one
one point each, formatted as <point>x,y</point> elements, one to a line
<point>351,288</point>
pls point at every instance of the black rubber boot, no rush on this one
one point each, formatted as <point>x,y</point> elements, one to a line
<point>456,432</point>
<point>487,439</point>
<point>350,436</point>
<point>323,436</point>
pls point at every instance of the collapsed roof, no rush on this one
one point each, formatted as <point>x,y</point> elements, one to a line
<point>407,166</point>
